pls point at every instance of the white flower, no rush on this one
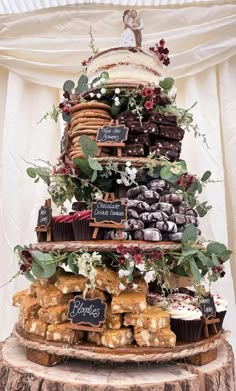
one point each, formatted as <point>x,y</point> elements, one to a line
<point>126,273</point>
<point>102,80</point>
<point>117,91</point>
<point>131,263</point>
<point>121,273</point>
<point>128,164</point>
<point>141,267</point>
<point>122,287</point>
<point>98,95</point>
<point>103,91</point>
<point>95,85</point>
<point>149,276</point>
<point>98,195</point>
<point>161,78</point>
<point>91,94</point>
<point>117,99</point>
<point>119,181</point>
<point>117,103</point>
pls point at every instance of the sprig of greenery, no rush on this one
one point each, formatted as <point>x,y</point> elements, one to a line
<point>92,42</point>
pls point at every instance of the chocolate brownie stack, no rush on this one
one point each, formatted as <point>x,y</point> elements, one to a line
<point>155,213</point>
<point>158,135</point>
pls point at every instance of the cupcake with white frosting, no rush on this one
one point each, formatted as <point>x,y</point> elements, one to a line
<point>186,321</point>
<point>181,298</point>
<point>221,309</point>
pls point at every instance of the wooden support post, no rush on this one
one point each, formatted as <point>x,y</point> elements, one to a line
<point>43,358</point>
<point>202,358</point>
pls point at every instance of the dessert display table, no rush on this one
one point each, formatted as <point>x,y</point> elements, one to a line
<point>17,373</point>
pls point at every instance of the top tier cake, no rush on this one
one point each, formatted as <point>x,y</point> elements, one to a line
<point>126,65</point>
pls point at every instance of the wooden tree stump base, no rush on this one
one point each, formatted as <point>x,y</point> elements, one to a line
<point>17,373</point>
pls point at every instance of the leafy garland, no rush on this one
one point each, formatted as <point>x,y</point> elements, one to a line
<point>193,260</point>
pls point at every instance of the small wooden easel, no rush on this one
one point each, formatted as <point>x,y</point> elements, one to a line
<point>111,144</point>
<point>210,322</point>
<point>97,225</point>
<point>44,222</point>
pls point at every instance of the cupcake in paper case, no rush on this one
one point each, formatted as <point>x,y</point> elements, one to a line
<point>186,321</point>
<point>62,228</point>
<point>81,228</point>
<point>221,309</point>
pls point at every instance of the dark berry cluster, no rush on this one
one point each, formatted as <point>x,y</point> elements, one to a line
<point>84,63</point>
<point>186,181</point>
<point>161,52</point>
<point>134,252</point>
<point>219,270</point>
<point>27,261</point>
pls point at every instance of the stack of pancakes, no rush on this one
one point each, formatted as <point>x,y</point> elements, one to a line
<point>86,118</point>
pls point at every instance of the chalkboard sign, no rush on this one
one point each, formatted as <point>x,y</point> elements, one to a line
<point>112,134</point>
<point>87,311</point>
<point>44,216</point>
<point>63,143</point>
<point>109,212</point>
<point>207,306</point>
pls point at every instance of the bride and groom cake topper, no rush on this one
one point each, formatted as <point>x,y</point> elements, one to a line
<point>133,25</point>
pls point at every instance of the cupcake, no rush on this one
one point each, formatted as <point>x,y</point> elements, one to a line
<point>81,228</point>
<point>181,298</point>
<point>186,321</point>
<point>221,309</point>
<point>62,229</point>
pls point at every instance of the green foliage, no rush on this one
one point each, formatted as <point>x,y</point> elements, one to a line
<point>82,84</point>
<point>71,263</point>
<point>41,265</point>
<point>167,84</point>
<point>89,147</point>
<point>68,86</point>
<point>104,75</point>
<point>84,166</point>
<point>94,164</point>
<point>66,117</point>
<point>189,234</point>
<point>206,176</point>
<point>40,172</point>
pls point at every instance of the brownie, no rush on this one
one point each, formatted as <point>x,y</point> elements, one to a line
<point>138,139</point>
<point>165,119</point>
<point>173,132</point>
<point>133,150</point>
<point>157,152</point>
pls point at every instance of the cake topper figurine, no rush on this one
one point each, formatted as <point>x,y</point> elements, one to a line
<point>133,25</point>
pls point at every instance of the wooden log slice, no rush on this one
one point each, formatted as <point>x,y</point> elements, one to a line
<point>19,374</point>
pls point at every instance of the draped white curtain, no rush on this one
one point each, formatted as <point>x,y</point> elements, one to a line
<point>39,50</point>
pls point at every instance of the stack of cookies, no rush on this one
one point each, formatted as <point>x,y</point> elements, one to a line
<point>86,118</point>
<point>44,311</point>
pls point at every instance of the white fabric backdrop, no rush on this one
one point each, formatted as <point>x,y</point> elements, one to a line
<point>40,50</point>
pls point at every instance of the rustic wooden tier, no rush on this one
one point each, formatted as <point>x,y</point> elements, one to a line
<point>136,161</point>
<point>103,245</point>
<point>17,373</point>
<point>129,353</point>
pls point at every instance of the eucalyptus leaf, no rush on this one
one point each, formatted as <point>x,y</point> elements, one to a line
<point>29,277</point>
<point>167,83</point>
<point>73,267</point>
<point>82,84</point>
<point>36,180</point>
<point>89,147</point>
<point>115,110</point>
<point>94,164</point>
<point>83,166</point>
<point>216,248</point>
<point>104,75</point>
<point>31,172</point>
<point>206,176</point>
<point>206,261</point>
<point>193,188</point>
<point>41,270</point>
<point>66,117</point>
<point>201,211</point>
<point>165,173</point>
<point>195,271</point>
<point>68,86</point>
<point>94,176</point>
<point>189,234</point>
<point>215,260</point>
<point>199,187</point>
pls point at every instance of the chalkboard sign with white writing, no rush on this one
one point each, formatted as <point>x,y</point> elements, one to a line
<point>109,212</point>
<point>44,216</point>
<point>87,311</point>
<point>112,134</point>
<point>207,306</point>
